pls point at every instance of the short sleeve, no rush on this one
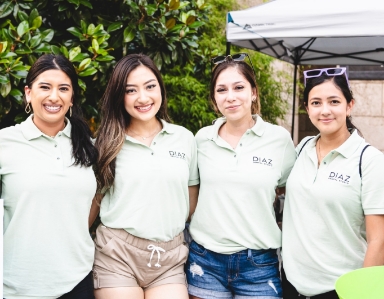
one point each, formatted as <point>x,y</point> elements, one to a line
<point>372,188</point>
<point>289,159</point>
<point>193,169</point>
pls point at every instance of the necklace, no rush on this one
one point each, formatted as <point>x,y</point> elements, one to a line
<point>318,142</point>
<point>319,155</point>
<point>144,137</point>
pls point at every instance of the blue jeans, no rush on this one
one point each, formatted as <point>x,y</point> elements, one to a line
<point>245,274</point>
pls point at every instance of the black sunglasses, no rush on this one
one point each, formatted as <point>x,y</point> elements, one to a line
<point>235,57</point>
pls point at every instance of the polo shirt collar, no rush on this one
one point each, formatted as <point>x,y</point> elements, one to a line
<point>258,128</point>
<point>167,127</point>
<point>30,131</point>
<point>350,145</point>
<point>346,149</point>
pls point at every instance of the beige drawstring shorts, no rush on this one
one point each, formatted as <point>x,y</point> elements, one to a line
<point>123,260</point>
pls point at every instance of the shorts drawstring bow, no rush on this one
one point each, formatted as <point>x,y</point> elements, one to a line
<point>157,249</point>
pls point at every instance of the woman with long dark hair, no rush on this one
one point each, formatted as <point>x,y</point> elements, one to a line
<point>47,186</point>
<point>334,209</point>
<point>147,176</point>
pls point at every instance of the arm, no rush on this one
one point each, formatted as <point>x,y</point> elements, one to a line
<point>277,206</point>
<point>95,209</point>
<point>375,238</point>
<point>280,191</point>
<point>193,195</point>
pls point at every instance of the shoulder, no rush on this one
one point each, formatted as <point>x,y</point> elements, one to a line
<point>13,132</point>
<point>276,129</point>
<point>179,130</point>
<point>204,133</point>
<point>304,141</point>
<point>369,152</point>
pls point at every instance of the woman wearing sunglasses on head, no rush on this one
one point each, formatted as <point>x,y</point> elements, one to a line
<point>148,173</point>
<point>333,213</point>
<point>242,160</point>
<point>48,184</point>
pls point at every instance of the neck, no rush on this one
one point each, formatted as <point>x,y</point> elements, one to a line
<point>239,127</point>
<point>49,129</point>
<point>332,141</point>
<point>144,128</point>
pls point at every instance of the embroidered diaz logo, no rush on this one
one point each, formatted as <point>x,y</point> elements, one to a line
<point>175,154</point>
<point>339,177</point>
<point>263,161</point>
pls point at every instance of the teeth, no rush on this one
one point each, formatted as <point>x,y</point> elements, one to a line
<point>144,107</point>
<point>52,108</point>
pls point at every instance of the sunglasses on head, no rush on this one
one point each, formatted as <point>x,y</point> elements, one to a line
<point>334,71</point>
<point>235,57</point>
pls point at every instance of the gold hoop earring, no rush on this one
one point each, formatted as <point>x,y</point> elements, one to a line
<point>28,108</point>
<point>70,111</point>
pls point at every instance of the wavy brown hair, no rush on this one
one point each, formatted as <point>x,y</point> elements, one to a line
<point>115,119</point>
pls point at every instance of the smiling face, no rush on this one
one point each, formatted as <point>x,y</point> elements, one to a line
<point>50,97</point>
<point>142,95</point>
<point>328,108</point>
<point>233,95</point>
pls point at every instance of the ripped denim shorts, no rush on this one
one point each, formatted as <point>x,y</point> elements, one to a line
<point>243,275</point>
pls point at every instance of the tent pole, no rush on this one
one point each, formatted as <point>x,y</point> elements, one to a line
<point>293,102</point>
<point>228,50</point>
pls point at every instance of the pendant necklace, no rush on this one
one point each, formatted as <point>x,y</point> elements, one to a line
<point>143,137</point>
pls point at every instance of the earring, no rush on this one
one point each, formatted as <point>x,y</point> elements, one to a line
<point>28,108</point>
<point>253,99</point>
<point>70,111</point>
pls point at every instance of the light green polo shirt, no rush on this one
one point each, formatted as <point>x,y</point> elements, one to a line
<point>237,187</point>
<point>47,246</point>
<point>149,198</point>
<point>324,213</point>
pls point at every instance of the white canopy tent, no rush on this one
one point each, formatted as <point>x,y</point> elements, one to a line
<point>316,32</point>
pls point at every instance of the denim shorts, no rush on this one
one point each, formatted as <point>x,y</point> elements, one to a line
<point>243,275</point>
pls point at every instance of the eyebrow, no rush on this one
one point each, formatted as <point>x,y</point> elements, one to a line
<point>143,84</point>
<point>231,83</point>
<point>328,98</point>
<point>46,83</point>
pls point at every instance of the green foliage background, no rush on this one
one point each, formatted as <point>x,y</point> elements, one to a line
<point>180,36</point>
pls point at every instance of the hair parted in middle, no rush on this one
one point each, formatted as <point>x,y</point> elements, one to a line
<point>83,150</point>
<point>114,117</point>
<point>341,83</point>
<point>244,69</point>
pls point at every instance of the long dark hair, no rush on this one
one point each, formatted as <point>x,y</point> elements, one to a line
<point>243,69</point>
<point>83,150</point>
<point>115,119</point>
<point>341,83</point>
